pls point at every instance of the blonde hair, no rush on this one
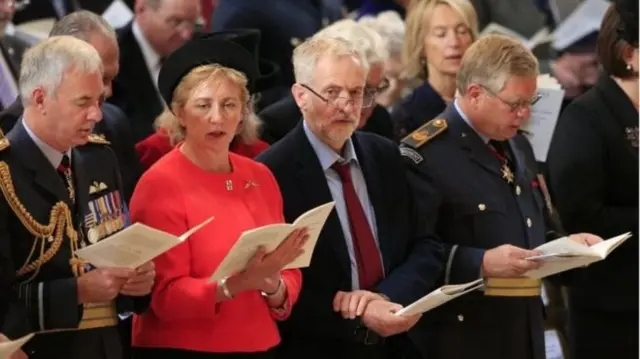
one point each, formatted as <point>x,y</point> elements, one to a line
<point>307,54</point>
<point>45,64</point>
<point>249,126</point>
<point>418,22</point>
<point>370,43</point>
<point>492,60</point>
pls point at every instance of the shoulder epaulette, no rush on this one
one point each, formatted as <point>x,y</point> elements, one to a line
<point>4,143</point>
<point>98,139</point>
<point>425,133</point>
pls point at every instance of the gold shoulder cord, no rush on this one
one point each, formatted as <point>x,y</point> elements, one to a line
<point>60,221</point>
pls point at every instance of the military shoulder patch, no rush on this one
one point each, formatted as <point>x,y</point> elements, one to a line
<point>98,139</point>
<point>425,133</point>
<point>411,154</point>
<point>4,143</point>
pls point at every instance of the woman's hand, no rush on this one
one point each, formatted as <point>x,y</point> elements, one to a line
<point>264,268</point>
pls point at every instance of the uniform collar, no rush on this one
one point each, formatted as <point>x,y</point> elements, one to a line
<point>53,156</point>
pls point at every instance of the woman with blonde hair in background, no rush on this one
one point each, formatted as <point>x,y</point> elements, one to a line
<point>207,84</point>
<point>438,32</point>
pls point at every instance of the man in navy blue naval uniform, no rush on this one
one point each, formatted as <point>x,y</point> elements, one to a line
<point>61,190</point>
<point>493,206</point>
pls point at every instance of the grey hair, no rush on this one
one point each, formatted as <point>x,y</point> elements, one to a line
<point>45,64</point>
<point>369,41</point>
<point>307,54</point>
<point>390,26</point>
<point>82,24</point>
<point>492,61</point>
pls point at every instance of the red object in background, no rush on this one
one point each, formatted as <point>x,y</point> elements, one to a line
<point>152,148</point>
<point>207,11</point>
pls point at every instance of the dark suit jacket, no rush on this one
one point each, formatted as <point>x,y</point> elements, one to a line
<point>114,126</point>
<point>282,117</point>
<point>44,9</point>
<point>479,210</point>
<point>411,256</point>
<point>11,49</point>
<point>48,292</point>
<point>421,106</point>
<point>593,169</point>
<point>134,91</point>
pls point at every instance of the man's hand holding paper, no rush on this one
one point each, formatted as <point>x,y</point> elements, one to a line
<point>141,282</point>
<point>508,261</point>
<point>380,317</point>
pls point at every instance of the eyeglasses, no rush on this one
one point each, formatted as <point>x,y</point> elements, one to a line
<point>365,98</point>
<point>374,91</point>
<point>516,106</point>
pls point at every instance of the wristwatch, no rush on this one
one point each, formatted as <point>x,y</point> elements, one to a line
<point>265,294</point>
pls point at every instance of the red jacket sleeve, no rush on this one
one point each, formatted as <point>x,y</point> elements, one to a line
<point>157,202</point>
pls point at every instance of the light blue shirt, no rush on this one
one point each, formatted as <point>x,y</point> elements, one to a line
<point>327,158</point>
<point>484,138</point>
<point>53,156</point>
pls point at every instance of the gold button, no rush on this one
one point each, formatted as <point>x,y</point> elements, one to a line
<point>529,224</point>
<point>460,318</point>
<point>518,190</point>
<point>482,206</point>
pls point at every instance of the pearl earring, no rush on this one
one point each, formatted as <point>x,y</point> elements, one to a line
<point>629,67</point>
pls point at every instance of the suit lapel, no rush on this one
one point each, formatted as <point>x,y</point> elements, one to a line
<point>44,174</point>
<point>375,191</point>
<point>313,184</point>
<point>478,151</point>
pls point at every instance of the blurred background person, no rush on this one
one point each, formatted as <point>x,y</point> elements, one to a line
<point>438,34</point>
<point>159,27</point>
<point>283,27</point>
<point>283,116</point>
<point>206,84</point>
<point>392,29</point>
<point>593,168</point>
<point>246,141</point>
<point>12,47</point>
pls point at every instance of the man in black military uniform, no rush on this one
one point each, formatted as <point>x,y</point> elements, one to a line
<point>493,205</point>
<point>61,191</point>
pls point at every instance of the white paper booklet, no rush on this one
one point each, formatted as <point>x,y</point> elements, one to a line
<point>544,116</point>
<point>10,347</point>
<point>584,20</point>
<point>270,237</point>
<point>438,297</point>
<point>564,254</point>
<point>133,246</point>
<point>118,14</point>
<point>541,37</point>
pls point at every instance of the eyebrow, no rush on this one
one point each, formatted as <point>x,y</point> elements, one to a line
<point>227,98</point>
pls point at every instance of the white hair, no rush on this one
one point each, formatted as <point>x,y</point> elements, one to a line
<point>390,26</point>
<point>82,24</point>
<point>367,40</point>
<point>307,54</point>
<point>45,64</point>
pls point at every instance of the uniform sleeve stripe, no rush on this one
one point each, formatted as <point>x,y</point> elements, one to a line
<point>41,305</point>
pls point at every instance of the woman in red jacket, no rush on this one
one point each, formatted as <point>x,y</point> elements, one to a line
<point>206,84</point>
